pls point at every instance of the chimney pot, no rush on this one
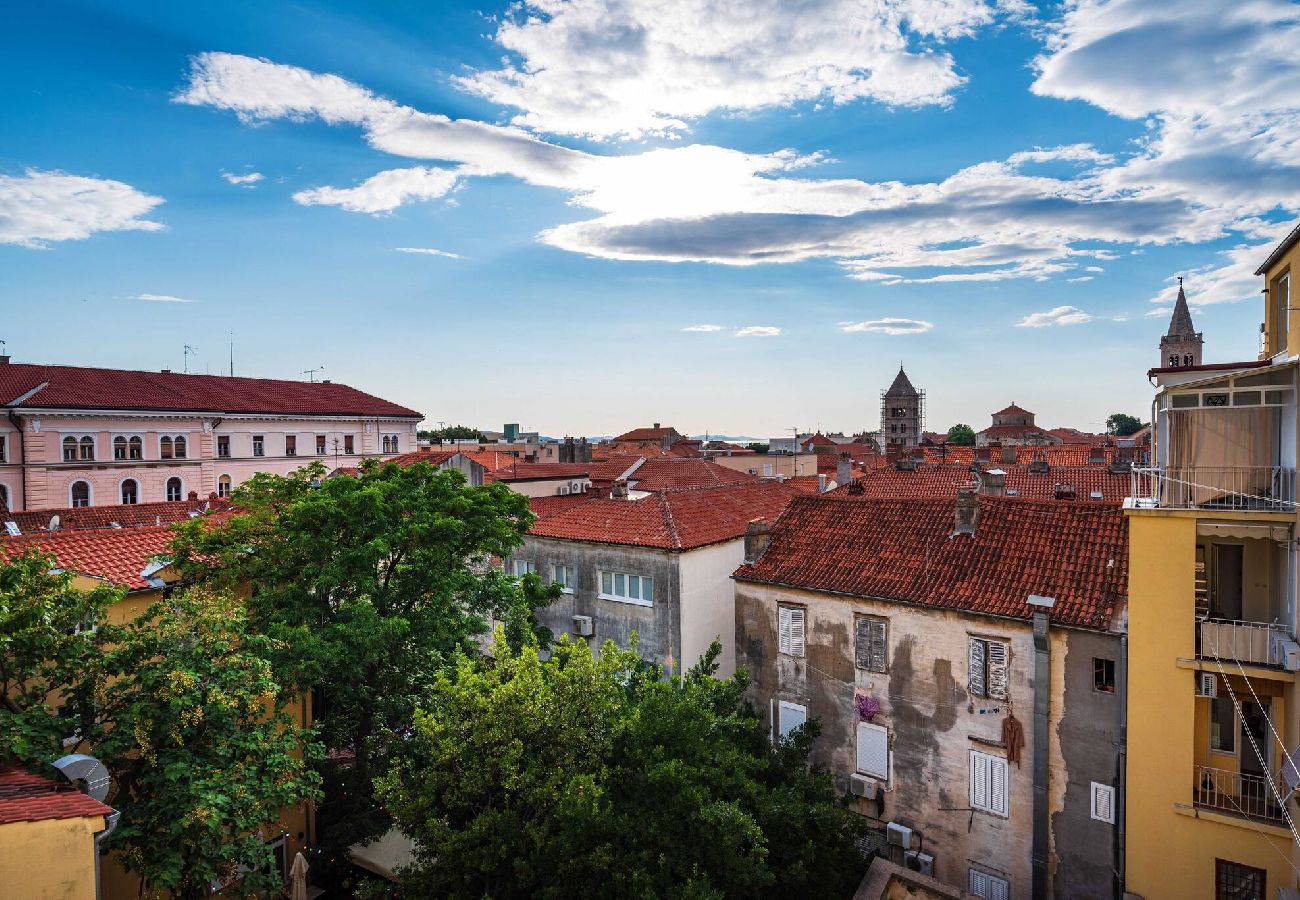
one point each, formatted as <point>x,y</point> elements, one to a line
<point>757,536</point>
<point>995,483</point>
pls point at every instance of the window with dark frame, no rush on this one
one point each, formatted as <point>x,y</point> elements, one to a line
<point>347,444</point>
<point>1234,881</point>
<point>320,445</point>
<point>259,445</point>
<point>291,445</point>
<point>174,489</point>
<point>871,643</point>
<point>1103,675</point>
<point>223,446</point>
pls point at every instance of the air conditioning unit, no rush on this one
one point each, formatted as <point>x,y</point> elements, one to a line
<point>1207,684</point>
<point>919,862</point>
<point>576,487</point>
<point>564,490</point>
<point>1284,652</point>
<point>583,626</point>
<point>864,787</point>
<point>898,835</point>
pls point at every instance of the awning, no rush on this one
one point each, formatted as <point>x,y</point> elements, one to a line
<point>385,855</point>
<point>1244,530</point>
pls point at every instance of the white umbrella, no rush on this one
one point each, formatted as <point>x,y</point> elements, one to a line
<point>298,878</point>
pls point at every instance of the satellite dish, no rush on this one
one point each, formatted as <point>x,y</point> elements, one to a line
<point>54,523</point>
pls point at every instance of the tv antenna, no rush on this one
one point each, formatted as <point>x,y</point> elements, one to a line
<point>189,351</point>
<point>311,373</point>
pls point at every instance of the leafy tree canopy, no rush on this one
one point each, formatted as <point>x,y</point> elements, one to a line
<point>962,435</point>
<point>593,776</point>
<point>452,433</point>
<point>757,447</point>
<point>1123,424</point>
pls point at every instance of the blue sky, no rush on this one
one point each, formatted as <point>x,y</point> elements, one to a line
<point>999,195</point>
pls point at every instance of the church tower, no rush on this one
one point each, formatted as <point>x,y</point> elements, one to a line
<point>902,414</point>
<point>1181,344</point>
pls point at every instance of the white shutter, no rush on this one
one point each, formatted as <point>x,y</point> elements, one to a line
<point>783,628</point>
<point>986,886</point>
<point>873,750</point>
<point>997,667</point>
<point>792,716</point>
<point>979,780</point>
<point>796,631</point>
<point>978,883</point>
<point>998,785</point>
<point>976,664</point>
<point>1103,803</point>
<point>999,888</point>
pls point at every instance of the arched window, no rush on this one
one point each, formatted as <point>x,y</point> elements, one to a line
<point>130,491</point>
<point>4,496</point>
<point>88,448</point>
<point>175,490</point>
<point>69,449</point>
<point>79,493</point>
<point>119,447</point>
<point>179,447</point>
<point>165,448</point>
<point>223,486</point>
<point>135,448</point>
<point>1173,361</point>
<point>1187,360</point>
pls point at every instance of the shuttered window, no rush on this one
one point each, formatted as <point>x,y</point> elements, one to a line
<point>873,750</point>
<point>989,887</point>
<point>1103,803</point>
<point>872,642</point>
<point>792,715</point>
<point>988,783</point>
<point>790,630</point>
<point>988,668</point>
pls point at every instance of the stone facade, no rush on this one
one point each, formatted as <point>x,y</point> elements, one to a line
<point>901,414</point>
<point>1182,344</point>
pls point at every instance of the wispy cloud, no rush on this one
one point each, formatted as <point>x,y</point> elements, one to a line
<point>162,298</point>
<point>247,179</point>
<point>428,251</point>
<point>1060,315</point>
<point>1079,279</point>
<point>758,331</point>
<point>708,328</point>
<point>888,325</point>
<point>39,208</point>
<point>385,191</point>
<point>1159,311</point>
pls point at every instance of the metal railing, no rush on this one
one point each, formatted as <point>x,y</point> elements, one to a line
<point>1268,488</point>
<point>1247,642</point>
<point>1239,794</point>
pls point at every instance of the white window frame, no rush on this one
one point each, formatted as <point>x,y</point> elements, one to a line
<point>291,451</point>
<point>987,677</point>
<point>228,454</point>
<point>4,495</point>
<point>608,581</point>
<point>90,492</point>
<point>521,567</point>
<point>985,769</point>
<point>870,760</point>
<point>168,481</point>
<point>4,448</point>
<point>791,629</point>
<point>1103,802</point>
<point>570,576</point>
<point>987,886</point>
<point>121,485</point>
<point>259,445</point>
<point>349,445</point>
<point>793,710</point>
<point>230,485</point>
<point>322,442</point>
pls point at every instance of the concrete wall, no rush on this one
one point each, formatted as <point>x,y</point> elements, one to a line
<point>50,860</point>
<point>708,602</point>
<point>935,723</point>
<point>547,487</point>
<point>787,465</point>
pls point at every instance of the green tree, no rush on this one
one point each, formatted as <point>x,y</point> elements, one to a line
<point>452,433</point>
<point>757,447</point>
<point>595,776</point>
<point>50,657</point>
<point>202,752</point>
<point>368,586</point>
<point>1122,424</point>
<point>962,435</point>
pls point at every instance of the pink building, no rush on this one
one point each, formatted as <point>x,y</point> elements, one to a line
<point>75,437</point>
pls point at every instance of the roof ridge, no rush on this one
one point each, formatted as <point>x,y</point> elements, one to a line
<point>674,539</point>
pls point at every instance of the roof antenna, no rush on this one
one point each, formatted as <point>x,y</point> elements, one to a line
<point>189,351</point>
<point>232,354</point>
<point>311,373</point>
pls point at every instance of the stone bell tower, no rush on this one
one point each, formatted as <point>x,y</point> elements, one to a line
<point>1181,344</point>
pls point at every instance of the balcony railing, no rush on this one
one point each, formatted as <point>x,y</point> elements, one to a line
<point>1247,642</point>
<point>1267,488</point>
<point>1238,794</point>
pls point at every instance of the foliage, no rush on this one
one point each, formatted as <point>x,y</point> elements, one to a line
<point>962,435</point>
<point>1122,424</point>
<point>50,656</point>
<point>757,447</point>
<point>587,776</point>
<point>452,433</point>
<point>369,586</point>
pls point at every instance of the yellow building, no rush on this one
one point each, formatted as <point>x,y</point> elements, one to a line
<point>47,837</point>
<point>1212,715</point>
<point>132,559</point>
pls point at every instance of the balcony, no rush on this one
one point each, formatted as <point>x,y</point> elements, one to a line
<point>1258,643</point>
<point>1238,794</point>
<point>1220,488</point>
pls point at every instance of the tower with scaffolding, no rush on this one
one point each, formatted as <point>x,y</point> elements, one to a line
<point>902,414</point>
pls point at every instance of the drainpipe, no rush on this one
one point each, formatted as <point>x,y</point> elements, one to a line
<point>1042,698</point>
<point>22,454</point>
<point>1122,687</point>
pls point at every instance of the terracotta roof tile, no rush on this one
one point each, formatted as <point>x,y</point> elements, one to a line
<point>666,473</point>
<point>30,798</point>
<point>130,515</point>
<point>646,434</point>
<point>526,471</point>
<point>86,388</point>
<point>117,556</point>
<point>943,481</point>
<point>905,550</point>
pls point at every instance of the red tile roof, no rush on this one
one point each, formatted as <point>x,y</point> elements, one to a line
<point>131,515</point>
<point>30,798</point>
<point>1013,410</point>
<point>646,434</point>
<point>1056,454</point>
<point>85,388</point>
<point>905,550</point>
<point>434,458</point>
<point>675,474</point>
<point>525,471</point>
<point>670,520</point>
<point>545,507</point>
<point>997,432</point>
<point>115,555</point>
<point>491,459</point>
<point>943,481</point>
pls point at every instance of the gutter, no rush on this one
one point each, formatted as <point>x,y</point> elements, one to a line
<point>1042,700</point>
<point>1122,765</point>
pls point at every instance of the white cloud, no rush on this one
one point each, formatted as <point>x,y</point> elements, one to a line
<point>888,326</point>
<point>758,331</point>
<point>1120,317</point>
<point>383,192</point>
<point>162,298</point>
<point>247,179</point>
<point>430,251</point>
<point>626,68</point>
<point>38,208</point>
<point>1079,279</point>
<point>1159,312</point>
<point>1060,315</point>
<point>703,328</point>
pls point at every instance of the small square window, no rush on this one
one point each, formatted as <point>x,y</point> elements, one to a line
<point>1103,675</point>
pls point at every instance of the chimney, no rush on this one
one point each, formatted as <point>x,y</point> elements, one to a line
<point>757,537</point>
<point>906,462</point>
<point>1009,456</point>
<point>967,512</point>
<point>844,469</point>
<point>1039,464</point>
<point>982,453</point>
<point>821,482</point>
<point>619,490</point>
<point>656,424</point>
<point>1121,463</point>
<point>4,360</point>
<point>995,483</point>
<point>1064,492</point>
<point>1097,456</point>
<point>166,371</point>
